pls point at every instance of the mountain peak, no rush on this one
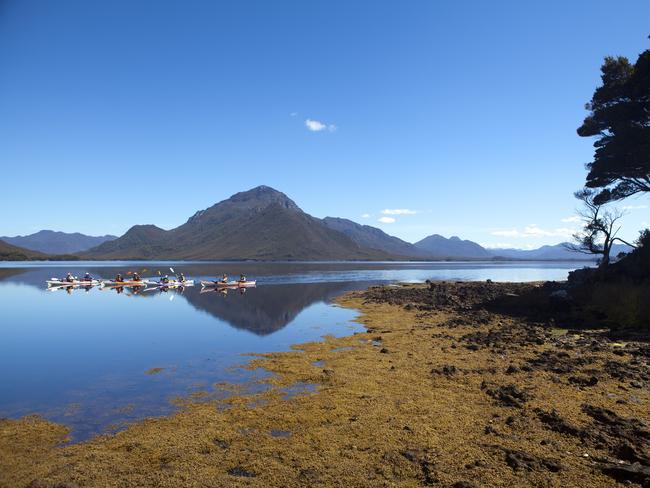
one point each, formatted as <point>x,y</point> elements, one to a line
<point>262,196</point>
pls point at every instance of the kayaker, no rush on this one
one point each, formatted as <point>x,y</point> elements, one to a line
<point>165,279</point>
<point>87,277</point>
<point>181,278</point>
<point>118,278</point>
<point>224,278</point>
<point>242,278</point>
<point>69,278</point>
<point>136,277</point>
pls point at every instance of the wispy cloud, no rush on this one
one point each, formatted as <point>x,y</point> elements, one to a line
<point>572,219</point>
<point>533,230</point>
<point>318,126</point>
<point>293,114</point>
<point>634,207</point>
<point>506,245</point>
<point>398,211</point>
<point>365,216</point>
<point>386,220</point>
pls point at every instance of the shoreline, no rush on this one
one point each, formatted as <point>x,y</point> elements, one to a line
<point>436,391</point>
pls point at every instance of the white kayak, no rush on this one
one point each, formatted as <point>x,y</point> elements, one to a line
<point>129,283</point>
<point>171,283</point>
<point>59,282</point>
<point>228,284</point>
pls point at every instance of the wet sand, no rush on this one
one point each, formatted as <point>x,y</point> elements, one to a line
<point>439,391</point>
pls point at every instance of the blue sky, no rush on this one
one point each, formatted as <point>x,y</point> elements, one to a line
<point>460,114</point>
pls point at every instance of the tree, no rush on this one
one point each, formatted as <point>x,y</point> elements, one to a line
<point>600,227</point>
<point>620,118</point>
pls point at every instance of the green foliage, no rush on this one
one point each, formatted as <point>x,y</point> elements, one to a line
<point>644,239</point>
<point>620,118</point>
<point>624,304</point>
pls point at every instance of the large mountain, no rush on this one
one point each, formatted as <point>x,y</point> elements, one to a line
<point>452,248</point>
<point>261,223</point>
<point>373,238</point>
<point>51,242</point>
<point>556,252</point>
<point>15,253</point>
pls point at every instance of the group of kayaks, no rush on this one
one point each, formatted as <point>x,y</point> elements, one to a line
<point>149,283</point>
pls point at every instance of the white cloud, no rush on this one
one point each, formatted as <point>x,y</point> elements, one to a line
<point>572,219</point>
<point>634,207</point>
<point>496,245</point>
<point>318,126</point>
<point>533,230</point>
<point>293,114</point>
<point>386,220</point>
<point>365,216</point>
<point>398,211</point>
<point>507,245</point>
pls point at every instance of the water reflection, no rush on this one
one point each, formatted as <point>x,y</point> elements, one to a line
<point>81,356</point>
<point>263,310</point>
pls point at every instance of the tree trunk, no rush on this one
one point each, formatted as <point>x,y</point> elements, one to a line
<point>607,247</point>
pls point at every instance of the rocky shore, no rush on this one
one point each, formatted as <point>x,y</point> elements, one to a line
<point>453,384</point>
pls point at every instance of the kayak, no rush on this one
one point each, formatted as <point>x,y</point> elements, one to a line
<point>58,282</point>
<point>171,283</point>
<point>228,284</point>
<point>127,283</point>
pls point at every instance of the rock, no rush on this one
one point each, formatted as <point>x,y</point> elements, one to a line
<point>447,370</point>
<point>559,295</point>
<point>512,369</point>
<point>509,396</point>
<point>520,460</point>
<point>241,472</point>
<point>556,423</point>
<point>583,381</point>
<point>637,472</point>
<point>221,443</point>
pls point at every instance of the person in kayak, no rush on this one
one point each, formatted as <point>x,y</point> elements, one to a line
<point>165,279</point>
<point>242,278</point>
<point>181,278</point>
<point>224,278</point>
<point>136,277</point>
<point>118,278</point>
<point>69,278</point>
<point>87,277</point>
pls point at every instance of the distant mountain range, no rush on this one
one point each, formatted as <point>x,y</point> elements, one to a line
<point>556,252</point>
<point>15,253</point>
<point>51,242</point>
<point>454,247</point>
<point>260,224</point>
<point>373,238</point>
<point>265,224</point>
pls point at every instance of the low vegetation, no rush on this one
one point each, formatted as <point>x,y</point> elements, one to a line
<point>447,387</point>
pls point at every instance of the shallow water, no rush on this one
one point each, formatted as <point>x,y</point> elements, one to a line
<point>96,359</point>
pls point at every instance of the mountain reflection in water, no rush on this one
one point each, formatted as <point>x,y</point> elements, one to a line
<point>261,310</point>
<point>82,357</point>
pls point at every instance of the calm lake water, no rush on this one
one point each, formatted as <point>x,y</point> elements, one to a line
<point>85,357</point>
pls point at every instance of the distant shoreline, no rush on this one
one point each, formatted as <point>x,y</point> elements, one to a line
<point>55,259</point>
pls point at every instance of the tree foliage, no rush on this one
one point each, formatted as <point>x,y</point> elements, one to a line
<point>620,118</point>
